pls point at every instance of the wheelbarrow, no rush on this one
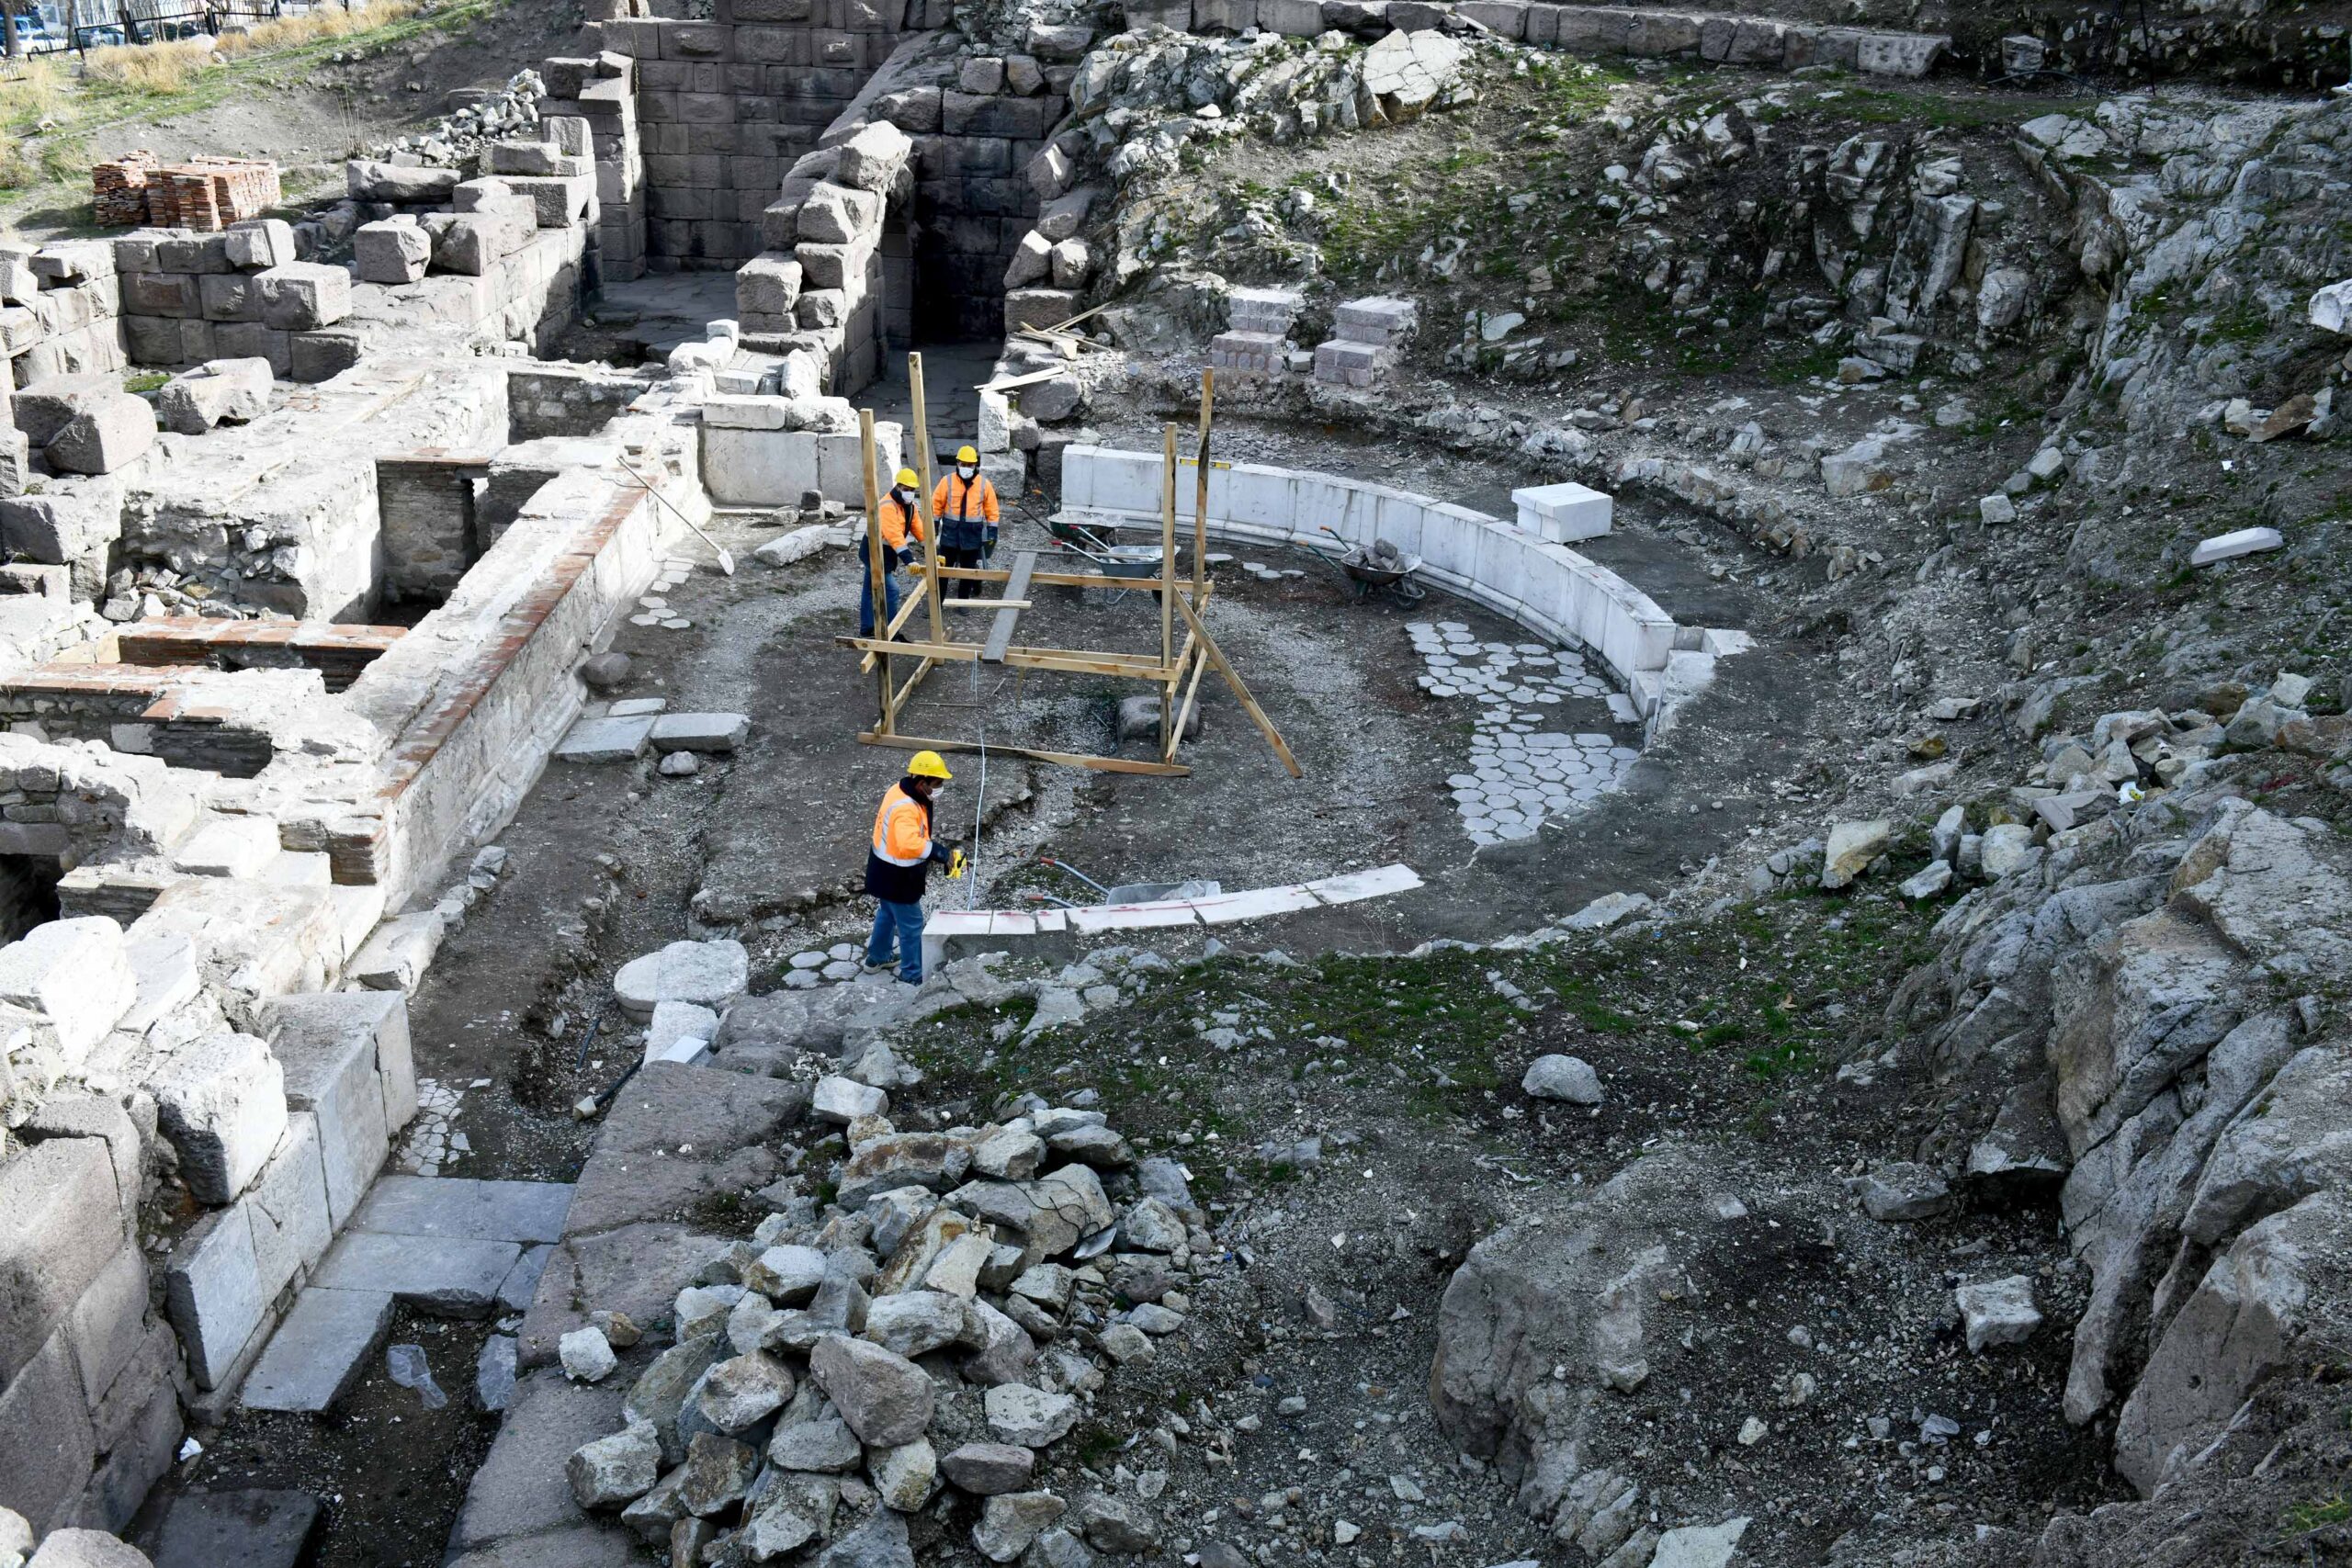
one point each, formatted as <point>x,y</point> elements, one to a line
<point>1124,893</point>
<point>1380,570</point>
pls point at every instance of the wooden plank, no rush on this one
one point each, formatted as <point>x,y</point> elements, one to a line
<point>1201,490</point>
<point>989,604</point>
<point>1016,587</point>
<point>907,607</point>
<point>1191,690</point>
<point>874,564</point>
<point>922,485</point>
<point>921,670</point>
<point>1060,759</point>
<point>1057,579</point>
<point>1256,715</point>
<point>1013,383</point>
<point>1125,666</point>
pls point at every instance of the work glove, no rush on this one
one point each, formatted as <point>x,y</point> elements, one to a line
<point>987,546</point>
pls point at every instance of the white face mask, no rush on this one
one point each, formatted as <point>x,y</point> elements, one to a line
<point>903,496</point>
<point>968,471</point>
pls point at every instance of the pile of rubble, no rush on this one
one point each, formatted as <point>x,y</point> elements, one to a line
<point>849,1363</point>
<point>458,139</point>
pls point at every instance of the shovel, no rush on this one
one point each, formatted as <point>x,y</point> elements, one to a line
<point>726,562</point>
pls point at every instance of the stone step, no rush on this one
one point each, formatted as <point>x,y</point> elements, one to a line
<point>319,1351</point>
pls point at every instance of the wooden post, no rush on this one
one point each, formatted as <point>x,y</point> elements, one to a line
<point>873,573</point>
<point>1200,493</point>
<point>1167,582</point>
<point>923,498</point>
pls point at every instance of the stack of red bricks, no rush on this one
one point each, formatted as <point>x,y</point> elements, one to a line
<point>118,190</point>
<point>203,194</point>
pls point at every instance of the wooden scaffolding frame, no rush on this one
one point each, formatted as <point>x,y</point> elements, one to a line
<point>1178,670</point>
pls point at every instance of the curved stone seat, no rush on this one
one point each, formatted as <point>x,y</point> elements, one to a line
<point>1545,587</point>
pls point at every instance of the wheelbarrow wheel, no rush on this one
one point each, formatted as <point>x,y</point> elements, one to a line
<point>1406,593</point>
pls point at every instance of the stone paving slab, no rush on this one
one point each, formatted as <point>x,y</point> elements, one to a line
<point>320,1350</point>
<point>717,733</point>
<point>606,739</point>
<point>466,1210</point>
<point>444,1275</point>
<point>251,1530</point>
<point>520,1489</point>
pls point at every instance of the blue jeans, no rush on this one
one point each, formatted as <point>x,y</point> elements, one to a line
<point>898,925</point>
<point>890,594</point>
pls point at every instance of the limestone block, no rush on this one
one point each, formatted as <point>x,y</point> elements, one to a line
<point>391,252</point>
<point>45,1441</point>
<point>320,356</point>
<point>312,1025</point>
<point>396,956</point>
<point>369,181</point>
<point>212,1292</point>
<point>221,1102</point>
<point>74,974</point>
<point>1563,512</point>
<point>1028,309</point>
<point>870,159</point>
<point>160,294</point>
<point>60,1221</point>
<point>44,406</point>
<point>287,1207</point>
<point>301,296</point>
<point>557,200</point>
<point>768,284</point>
<point>837,215</point>
<point>1899,54</point>
<point>224,391</point>
<point>192,252</point>
<point>228,846</point>
<point>228,296</point>
<point>253,340</point>
<point>324,1347</point>
<point>105,436</point>
<point>1071,262</point>
<point>331,1075</point>
<point>257,242</point>
<point>1294,18</point>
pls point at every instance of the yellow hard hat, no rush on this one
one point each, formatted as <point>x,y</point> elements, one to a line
<point>966,454</point>
<point>907,476</point>
<point>928,765</point>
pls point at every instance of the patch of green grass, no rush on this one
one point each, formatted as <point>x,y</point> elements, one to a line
<point>2305,1517</point>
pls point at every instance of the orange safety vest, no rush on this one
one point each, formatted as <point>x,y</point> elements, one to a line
<point>957,502</point>
<point>898,523</point>
<point>901,829</point>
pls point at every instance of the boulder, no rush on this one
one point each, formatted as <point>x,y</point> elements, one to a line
<point>1562,1078</point>
<point>1851,849</point>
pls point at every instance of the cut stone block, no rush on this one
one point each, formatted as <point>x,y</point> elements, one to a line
<point>714,733</point>
<point>251,1529</point>
<point>228,846</point>
<point>105,436</point>
<point>325,1344</point>
<point>256,242</point>
<point>212,1291</point>
<point>287,1207</point>
<point>709,973</point>
<point>309,1022</point>
<point>222,1101</point>
<point>302,295</point>
<point>42,407</point>
<point>393,251</point>
<point>73,973</point>
<point>396,956</point>
<point>465,1210</point>
<point>1563,512</point>
<point>332,1076</point>
<point>2228,546</point>
<point>59,1223</point>
<point>605,740</point>
<point>444,1276</point>
<point>223,391</point>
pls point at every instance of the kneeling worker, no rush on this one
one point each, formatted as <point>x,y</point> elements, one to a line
<point>899,862</point>
<point>901,527</point>
<point>964,505</point>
